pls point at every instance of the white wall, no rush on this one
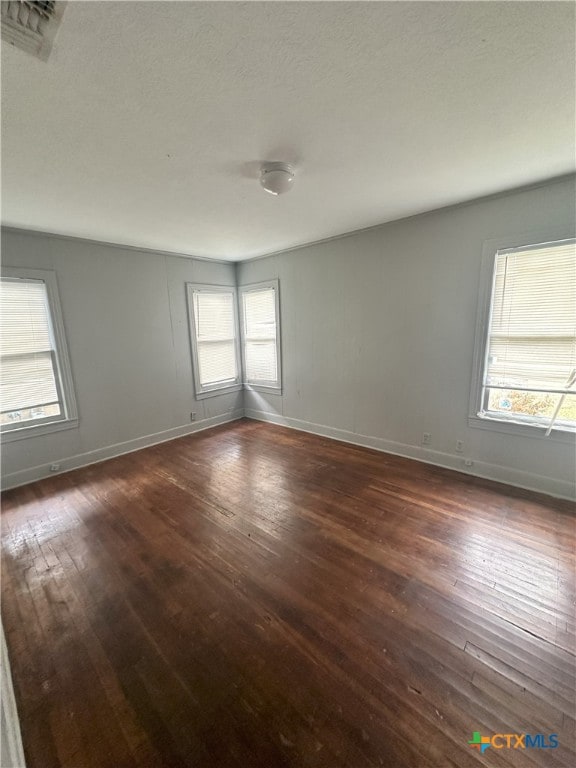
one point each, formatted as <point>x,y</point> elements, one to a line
<point>127,330</point>
<point>378,337</point>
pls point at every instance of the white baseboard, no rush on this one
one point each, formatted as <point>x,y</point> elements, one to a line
<point>516,477</point>
<point>11,750</point>
<point>26,476</point>
<point>508,475</point>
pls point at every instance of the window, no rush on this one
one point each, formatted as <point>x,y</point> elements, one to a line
<point>36,391</point>
<point>529,357</point>
<point>259,310</point>
<point>213,329</point>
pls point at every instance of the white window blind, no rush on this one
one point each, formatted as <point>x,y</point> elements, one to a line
<point>215,343</point>
<point>260,335</point>
<point>29,389</point>
<point>532,335</point>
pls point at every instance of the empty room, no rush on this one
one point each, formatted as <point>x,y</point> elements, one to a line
<point>288,384</point>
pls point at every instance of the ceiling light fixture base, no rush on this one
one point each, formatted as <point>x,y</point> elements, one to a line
<point>277,178</point>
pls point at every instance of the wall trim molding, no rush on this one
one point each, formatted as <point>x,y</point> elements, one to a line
<point>420,214</point>
<point>109,244</point>
<point>299,246</point>
<point>508,475</point>
<point>10,724</point>
<point>25,476</point>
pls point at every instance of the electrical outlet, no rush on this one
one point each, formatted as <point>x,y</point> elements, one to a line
<point>193,416</point>
<point>54,467</point>
<point>459,446</point>
<point>426,438</point>
<point>468,463</point>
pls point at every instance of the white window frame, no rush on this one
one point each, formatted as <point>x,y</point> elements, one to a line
<point>513,425</point>
<point>272,387</point>
<point>68,419</point>
<point>212,390</point>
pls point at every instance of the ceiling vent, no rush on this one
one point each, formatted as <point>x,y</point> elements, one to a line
<point>31,24</point>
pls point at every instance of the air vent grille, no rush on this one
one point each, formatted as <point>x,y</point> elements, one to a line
<point>31,24</point>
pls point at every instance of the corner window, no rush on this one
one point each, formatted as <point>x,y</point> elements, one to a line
<point>36,391</point>
<point>212,312</point>
<point>260,323</point>
<point>528,374</point>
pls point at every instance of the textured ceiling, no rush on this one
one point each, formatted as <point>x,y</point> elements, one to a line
<point>146,125</point>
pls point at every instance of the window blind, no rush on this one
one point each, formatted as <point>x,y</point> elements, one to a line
<point>260,348</point>
<point>532,333</point>
<point>215,337</point>
<point>27,355</point>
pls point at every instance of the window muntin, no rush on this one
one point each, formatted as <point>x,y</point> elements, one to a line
<point>213,330</point>
<point>35,382</point>
<point>261,334</point>
<point>530,353</point>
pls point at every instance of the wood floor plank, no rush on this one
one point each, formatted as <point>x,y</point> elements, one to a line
<point>253,595</point>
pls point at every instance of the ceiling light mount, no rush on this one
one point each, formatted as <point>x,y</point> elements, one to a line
<point>277,178</point>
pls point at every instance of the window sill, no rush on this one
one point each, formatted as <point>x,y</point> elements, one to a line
<point>37,430</point>
<point>219,391</point>
<point>558,434</point>
<point>264,389</point>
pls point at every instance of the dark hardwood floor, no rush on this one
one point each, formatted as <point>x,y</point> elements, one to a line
<point>258,597</point>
